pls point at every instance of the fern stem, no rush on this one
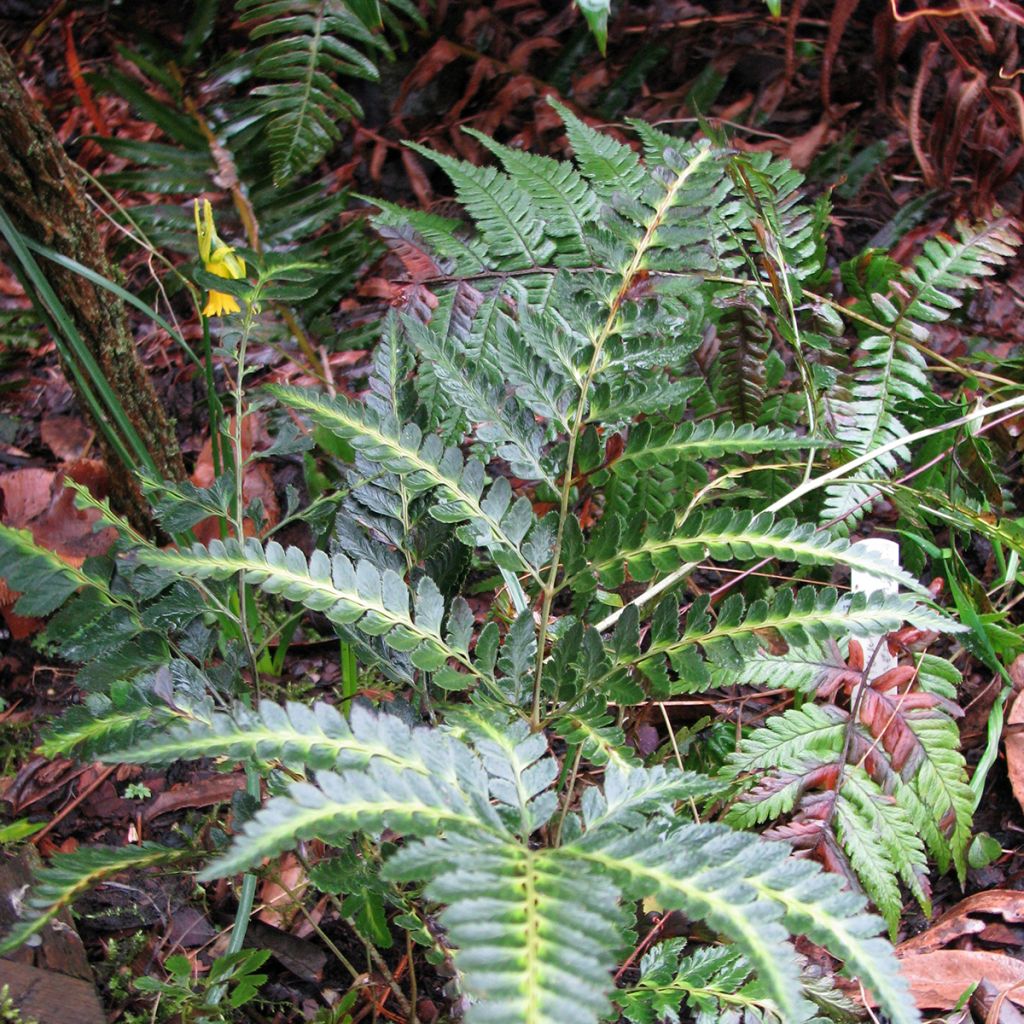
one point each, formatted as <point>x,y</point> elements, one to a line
<point>413,996</point>
<point>246,898</point>
<point>381,964</point>
<point>567,799</point>
<point>605,333</point>
<point>851,727</point>
<point>239,510</point>
<point>315,925</point>
<point>775,252</point>
<point>213,409</point>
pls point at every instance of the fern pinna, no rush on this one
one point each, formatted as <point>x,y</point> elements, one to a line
<point>527,432</point>
<point>870,789</point>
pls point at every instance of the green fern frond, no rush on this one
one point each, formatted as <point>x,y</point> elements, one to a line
<point>903,786</point>
<point>45,579</point>
<point>951,264</point>
<point>888,372</point>
<point>724,535</point>
<point>495,521</point>
<point>179,505</point>
<point>377,603</point>
<point>808,732</point>
<point>870,859</point>
<point>611,168</point>
<point>809,615</point>
<point>924,745</point>
<point>535,356</point>
<point>104,723</point>
<point>512,908</point>
<point>889,375</point>
<point>802,668</point>
<point>738,372</point>
<point>601,741</point>
<point>772,218</point>
<point>715,981</point>
<point>448,238</point>
<point>519,769</point>
<point>629,795</point>
<point>300,738</point>
<point>817,907</point>
<point>570,205</point>
<point>502,211</point>
<point>69,875</point>
<point>746,889</point>
<point>379,797</point>
<point>652,494</point>
<point>499,420</point>
<point>883,845</point>
<point>651,444</point>
<point>306,49</point>
<point>940,780</point>
<point>537,932</point>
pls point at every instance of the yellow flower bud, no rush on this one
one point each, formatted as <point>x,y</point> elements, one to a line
<point>219,259</point>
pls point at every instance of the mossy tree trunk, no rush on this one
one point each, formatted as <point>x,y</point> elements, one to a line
<point>40,191</point>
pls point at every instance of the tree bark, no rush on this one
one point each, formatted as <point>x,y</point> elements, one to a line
<point>40,190</point>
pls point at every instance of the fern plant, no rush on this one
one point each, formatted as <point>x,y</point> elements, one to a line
<point>526,434</point>
<point>303,48</point>
<point>717,984</point>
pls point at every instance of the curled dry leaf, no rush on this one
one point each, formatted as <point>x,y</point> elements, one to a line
<point>968,917</point>
<point>1015,732</point>
<point>195,793</point>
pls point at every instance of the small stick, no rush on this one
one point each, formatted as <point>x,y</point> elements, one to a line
<point>64,812</point>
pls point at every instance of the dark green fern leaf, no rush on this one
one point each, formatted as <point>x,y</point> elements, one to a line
<point>306,51</point>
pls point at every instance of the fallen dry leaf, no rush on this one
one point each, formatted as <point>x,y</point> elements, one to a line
<point>188,929</point>
<point>966,919</point>
<point>198,793</point>
<point>278,893</point>
<point>66,436</point>
<point>68,530</point>
<point>38,500</point>
<point>26,493</point>
<point>937,980</point>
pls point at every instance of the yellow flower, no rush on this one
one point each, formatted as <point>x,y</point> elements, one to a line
<point>219,259</point>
